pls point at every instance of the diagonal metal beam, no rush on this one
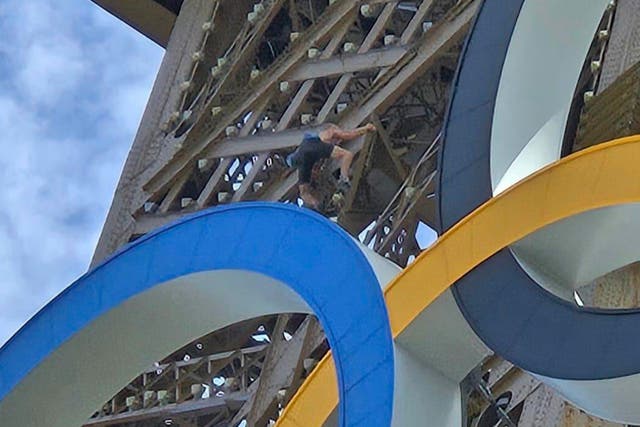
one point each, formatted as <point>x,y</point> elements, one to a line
<point>386,141</point>
<point>416,22</point>
<point>247,181</point>
<point>200,407</point>
<point>265,393</point>
<point>172,196</point>
<point>358,171</point>
<point>412,28</point>
<point>214,183</point>
<point>333,97</point>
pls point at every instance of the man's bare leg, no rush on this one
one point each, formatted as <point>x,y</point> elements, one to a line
<point>345,157</point>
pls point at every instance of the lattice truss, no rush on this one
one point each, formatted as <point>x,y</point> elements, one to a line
<point>234,96</point>
<point>239,84</point>
<point>247,371</point>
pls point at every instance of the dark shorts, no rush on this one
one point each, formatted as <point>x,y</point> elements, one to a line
<point>311,151</point>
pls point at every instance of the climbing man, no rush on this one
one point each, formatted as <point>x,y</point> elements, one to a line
<point>316,146</point>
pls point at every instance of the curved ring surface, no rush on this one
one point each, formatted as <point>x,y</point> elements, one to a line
<point>207,271</point>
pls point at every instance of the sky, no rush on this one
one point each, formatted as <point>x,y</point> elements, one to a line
<point>73,85</point>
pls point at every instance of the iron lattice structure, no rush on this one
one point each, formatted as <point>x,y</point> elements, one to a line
<point>239,84</point>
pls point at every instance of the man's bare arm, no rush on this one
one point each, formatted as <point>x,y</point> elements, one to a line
<point>334,133</point>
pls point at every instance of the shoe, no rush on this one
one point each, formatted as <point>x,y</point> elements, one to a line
<point>344,184</point>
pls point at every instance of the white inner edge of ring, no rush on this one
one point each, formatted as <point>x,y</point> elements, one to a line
<point>545,57</point>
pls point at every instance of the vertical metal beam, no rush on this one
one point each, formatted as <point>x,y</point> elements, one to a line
<point>360,167</point>
<point>386,140</point>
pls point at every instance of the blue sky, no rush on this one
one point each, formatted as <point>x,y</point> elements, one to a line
<point>73,84</point>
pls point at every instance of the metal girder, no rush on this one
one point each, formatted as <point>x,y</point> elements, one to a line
<point>258,143</point>
<point>266,390</point>
<point>399,220</point>
<point>358,172</point>
<point>149,144</point>
<point>171,198</point>
<point>412,28</point>
<point>338,65</point>
<point>149,222</point>
<point>199,407</point>
<point>333,97</point>
<point>178,372</point>
<point>304,90</point>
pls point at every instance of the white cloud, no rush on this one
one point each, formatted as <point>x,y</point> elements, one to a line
<point>73,84</point>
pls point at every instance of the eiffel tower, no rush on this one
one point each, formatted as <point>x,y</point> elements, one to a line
<point>240,83</point>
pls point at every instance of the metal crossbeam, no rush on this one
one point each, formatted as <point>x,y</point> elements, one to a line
<point>355,63</point>
<point>198,407</point>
